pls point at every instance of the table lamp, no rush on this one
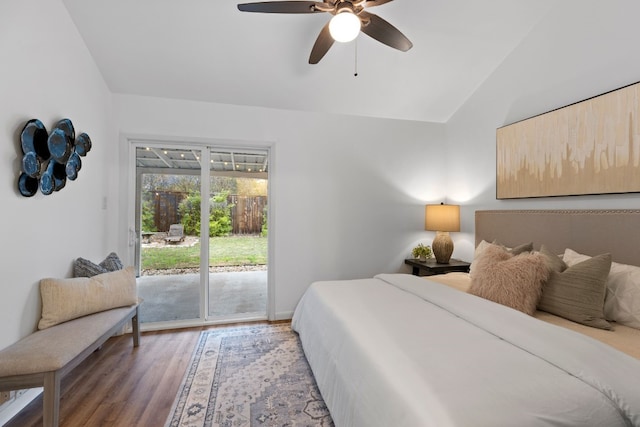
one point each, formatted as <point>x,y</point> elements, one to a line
<point>442,219</point>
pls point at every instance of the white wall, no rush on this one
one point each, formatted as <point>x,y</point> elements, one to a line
<point>349,192</point>
<point>581,49</point>
<point>47,73</point>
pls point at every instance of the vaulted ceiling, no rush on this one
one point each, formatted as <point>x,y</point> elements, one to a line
<point>207,50</point>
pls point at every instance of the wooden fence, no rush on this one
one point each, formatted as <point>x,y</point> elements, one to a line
<point>166,209</point>
<point>246,214</point>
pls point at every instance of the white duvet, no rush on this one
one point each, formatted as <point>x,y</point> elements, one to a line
<point>398,350</point>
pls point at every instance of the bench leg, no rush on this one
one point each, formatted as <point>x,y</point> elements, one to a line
<point>135,324</point>
<point>51,400</point>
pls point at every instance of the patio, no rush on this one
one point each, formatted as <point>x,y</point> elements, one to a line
<point>176,296</point>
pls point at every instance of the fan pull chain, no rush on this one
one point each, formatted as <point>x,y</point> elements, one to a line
<point>355,65</point>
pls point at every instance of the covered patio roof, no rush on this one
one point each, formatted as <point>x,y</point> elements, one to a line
<point>244,162</point>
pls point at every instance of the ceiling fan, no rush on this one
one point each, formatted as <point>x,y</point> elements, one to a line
<point>342,10</point>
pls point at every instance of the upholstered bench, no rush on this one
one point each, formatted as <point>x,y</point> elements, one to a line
<point>44,357</point>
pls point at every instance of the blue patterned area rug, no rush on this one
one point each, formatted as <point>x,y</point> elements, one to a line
<point>253,375</point>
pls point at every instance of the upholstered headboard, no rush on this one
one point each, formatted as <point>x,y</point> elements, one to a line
<point>590,232</point>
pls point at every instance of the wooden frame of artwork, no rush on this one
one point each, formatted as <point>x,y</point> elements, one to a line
<point>590,147</point>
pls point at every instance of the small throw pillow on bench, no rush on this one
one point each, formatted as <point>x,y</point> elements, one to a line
<point>84,268</point>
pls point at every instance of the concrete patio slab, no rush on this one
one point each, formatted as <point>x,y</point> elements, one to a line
<point>176,296</point>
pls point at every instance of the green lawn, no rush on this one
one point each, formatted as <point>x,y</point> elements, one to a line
<point>233,250</point>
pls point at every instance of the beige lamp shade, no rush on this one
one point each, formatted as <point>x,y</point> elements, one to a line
<point>442,217</point>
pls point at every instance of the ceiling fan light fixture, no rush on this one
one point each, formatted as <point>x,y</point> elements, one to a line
<point>352,11</point>
<point>344,26</point>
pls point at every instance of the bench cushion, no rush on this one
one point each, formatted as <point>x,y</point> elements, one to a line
<point>66,299</point>
<point>52,348</point>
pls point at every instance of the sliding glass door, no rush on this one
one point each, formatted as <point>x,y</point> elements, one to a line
<point>201,258</point>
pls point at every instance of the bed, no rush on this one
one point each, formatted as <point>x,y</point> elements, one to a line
<point>400,350</point>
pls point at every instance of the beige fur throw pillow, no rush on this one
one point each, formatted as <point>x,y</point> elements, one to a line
<point>66,299</point>
<point>514,281</point>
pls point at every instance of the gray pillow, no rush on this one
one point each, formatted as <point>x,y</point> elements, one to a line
<point>112,262</point>
<point>554,262</point>
<point>578,292</point>
<point>525,247</point>
<point>84,268</point>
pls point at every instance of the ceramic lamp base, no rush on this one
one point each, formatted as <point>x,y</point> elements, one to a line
<point>442,247</point>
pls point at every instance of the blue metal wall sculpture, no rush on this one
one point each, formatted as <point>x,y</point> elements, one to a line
<point>48,159</point>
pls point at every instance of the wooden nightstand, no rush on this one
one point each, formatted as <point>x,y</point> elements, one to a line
<point>431,267</point>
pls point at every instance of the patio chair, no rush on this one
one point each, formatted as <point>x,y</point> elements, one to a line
<point>176,234</point>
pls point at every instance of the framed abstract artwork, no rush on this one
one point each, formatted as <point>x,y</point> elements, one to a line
<point>590,147</point>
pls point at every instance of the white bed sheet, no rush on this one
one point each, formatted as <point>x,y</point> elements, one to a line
<point>621,337</point>
<point>396,350</point>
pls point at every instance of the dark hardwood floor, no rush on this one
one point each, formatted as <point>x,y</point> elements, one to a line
<point>122,386</point>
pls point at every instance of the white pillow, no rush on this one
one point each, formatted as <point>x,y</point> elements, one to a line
<point>622,301</point>
<point>66,299</point>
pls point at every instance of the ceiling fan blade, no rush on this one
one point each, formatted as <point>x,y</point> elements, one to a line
<point>282,7</point>
<point>321,46</point>
<point>372,3</point>
<point>381,30</point>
